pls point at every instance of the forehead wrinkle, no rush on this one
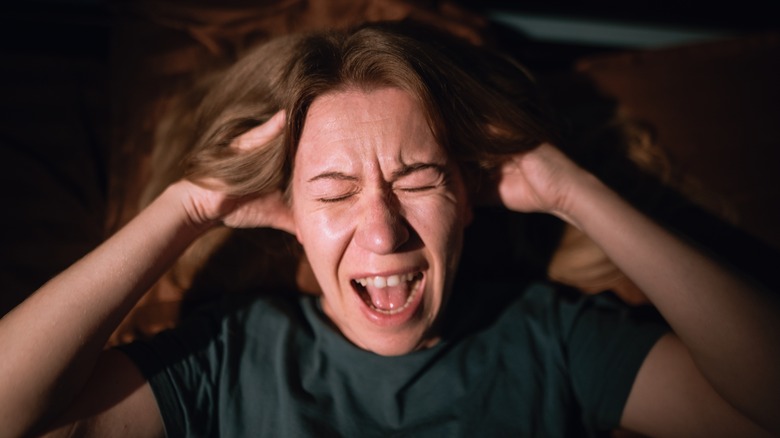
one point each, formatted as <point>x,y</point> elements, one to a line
<point>367,138</point>
<point>408,169</point>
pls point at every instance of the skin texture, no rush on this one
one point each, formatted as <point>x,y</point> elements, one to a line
<point>375,194</point>
<point>718,374</point>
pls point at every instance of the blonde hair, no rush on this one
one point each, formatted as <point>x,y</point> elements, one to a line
<point>481,106</point>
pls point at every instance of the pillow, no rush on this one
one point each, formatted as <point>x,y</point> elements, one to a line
<point>712,109</point>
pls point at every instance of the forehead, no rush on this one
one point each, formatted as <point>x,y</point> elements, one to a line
<point>380,125</point>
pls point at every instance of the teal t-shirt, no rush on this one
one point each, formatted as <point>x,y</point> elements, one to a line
<point>546,365</point>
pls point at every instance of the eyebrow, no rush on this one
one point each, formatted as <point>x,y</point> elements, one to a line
<point>407,169</point>
<point>333,175</point>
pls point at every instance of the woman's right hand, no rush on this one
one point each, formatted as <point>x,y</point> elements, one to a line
<point>207,202</point>
<point>80,308</point>
<point>206,207</point>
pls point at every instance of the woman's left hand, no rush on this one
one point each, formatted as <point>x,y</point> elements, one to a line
<point>723,369</point>
<point>539,180</point>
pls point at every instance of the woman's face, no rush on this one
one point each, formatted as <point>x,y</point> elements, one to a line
<point>380,211</point>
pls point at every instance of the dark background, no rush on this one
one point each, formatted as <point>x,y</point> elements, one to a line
<point>55,108</point>
<point>82,27</point>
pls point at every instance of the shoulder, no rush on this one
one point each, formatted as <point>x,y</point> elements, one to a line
<point>555,307</point>
<point>236,310</point>
<point>234,342</point>
<point>208,335</point>
<point>589,346</point>
<point>281,307</point>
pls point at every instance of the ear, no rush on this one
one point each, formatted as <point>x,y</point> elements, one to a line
<point>298,234</point>
<point>296,231</point>
<point>289,225</point>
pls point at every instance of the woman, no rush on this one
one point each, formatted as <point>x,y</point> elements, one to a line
<point>370,146</point>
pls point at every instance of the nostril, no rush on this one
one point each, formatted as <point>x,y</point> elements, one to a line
<point>382,230</point>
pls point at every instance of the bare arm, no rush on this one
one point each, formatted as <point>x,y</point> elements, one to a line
<point>117,401</point>
<point>729,326</point>
<point>52,342</point>
<point>53,339</point>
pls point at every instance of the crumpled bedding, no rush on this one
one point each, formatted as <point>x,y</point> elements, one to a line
<point>77,132</point>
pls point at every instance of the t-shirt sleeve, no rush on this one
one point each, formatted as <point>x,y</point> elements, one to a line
<point>183,367</point>
<point>606,343</point>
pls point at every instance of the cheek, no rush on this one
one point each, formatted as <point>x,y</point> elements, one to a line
<point>315,224</point>
<point>327,225</point>
<point>324,236</point>
<point>438,223</point>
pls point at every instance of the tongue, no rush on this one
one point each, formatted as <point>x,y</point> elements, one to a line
<point>389,298</point>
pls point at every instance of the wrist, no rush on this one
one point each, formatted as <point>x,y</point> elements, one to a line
<point>561,184</point>
<point>581,193</point>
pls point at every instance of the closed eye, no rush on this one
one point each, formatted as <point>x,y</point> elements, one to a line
<point>416,189</point>
<point>330,187</point>
<point>337,198</point>
<point>421,178</point>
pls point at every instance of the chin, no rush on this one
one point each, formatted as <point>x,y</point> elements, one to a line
<point>387,335</point>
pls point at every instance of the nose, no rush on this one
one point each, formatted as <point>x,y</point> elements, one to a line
<point>382,228</point>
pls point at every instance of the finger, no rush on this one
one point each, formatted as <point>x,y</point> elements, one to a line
<point>278,212</point>
<point>261,134</point>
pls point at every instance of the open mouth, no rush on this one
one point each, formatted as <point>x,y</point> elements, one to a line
<point>389,295</point>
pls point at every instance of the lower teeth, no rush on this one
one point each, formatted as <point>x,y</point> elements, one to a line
<point>409,299</point>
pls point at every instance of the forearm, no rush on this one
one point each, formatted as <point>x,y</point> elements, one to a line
<point>731,326</point>
<point>51,341</point>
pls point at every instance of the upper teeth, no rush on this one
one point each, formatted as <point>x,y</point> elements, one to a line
<point>380,282</point>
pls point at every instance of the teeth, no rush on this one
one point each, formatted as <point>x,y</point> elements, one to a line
<point>383,282</point>
<point>380,282</point>
<point>393,280</point>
